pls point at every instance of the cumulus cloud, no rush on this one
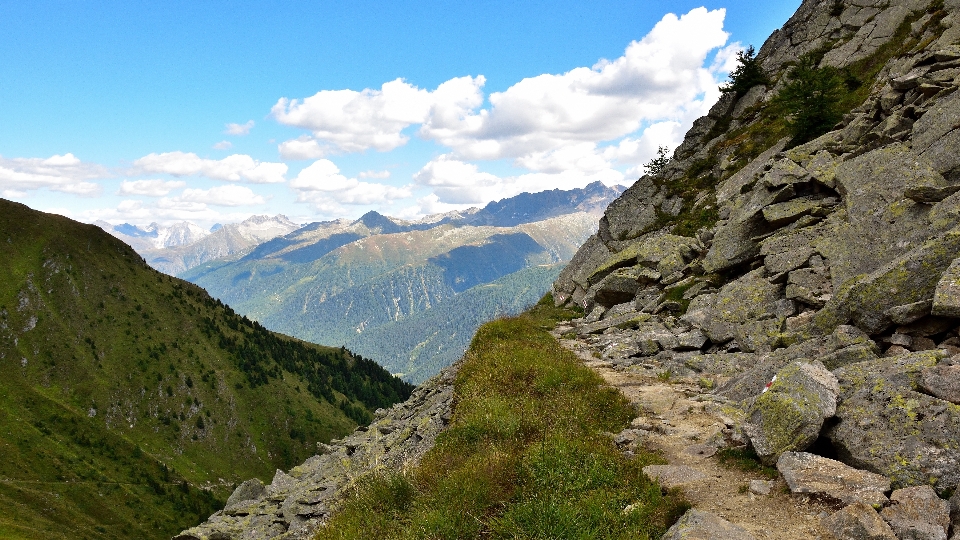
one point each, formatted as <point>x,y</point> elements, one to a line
<point>302,147</point>
<point>234,168</point>
<point>229,195</point>
<point>150,188</point>
<point>223,145</point>
<point>322,185</point>
<point>455,182</point>
<point>352,121</point>
<point>64,173</point>
<point>660,77</point>
<point>239,129</point>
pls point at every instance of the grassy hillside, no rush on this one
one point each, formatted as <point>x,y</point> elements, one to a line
<point>124,391</point>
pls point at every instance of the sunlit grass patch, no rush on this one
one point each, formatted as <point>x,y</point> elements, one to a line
<point>524,456</point>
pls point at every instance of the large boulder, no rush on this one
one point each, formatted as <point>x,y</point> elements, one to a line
<point>918,514</point>
<point>858,521</point>
<point>886,426</point>
<point>700,525</point>
<point>787,417</point>
<point>816,475</point>
<point>878,213</point>
<point>942,381</point>
<point>910,278</point>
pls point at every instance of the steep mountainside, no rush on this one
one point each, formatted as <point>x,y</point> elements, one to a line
<point>124,390</point>
<point>324,284</point>
<point>805,238</point>
<point>172,250</point>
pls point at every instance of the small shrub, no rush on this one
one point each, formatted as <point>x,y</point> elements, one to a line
<point>657,165</point>
<point>665,375</point>
<point>747,74</point>
<point>811,99</point>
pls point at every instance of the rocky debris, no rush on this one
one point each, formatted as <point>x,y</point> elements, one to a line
<point>917,513</point>
<point>812,474</point>
<point>671,476</point>
<point>858,521</point>
<point>294,504</point>
<point>787,417</point>
<point>700,525</point>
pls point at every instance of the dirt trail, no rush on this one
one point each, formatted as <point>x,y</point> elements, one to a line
<point>682,422</point>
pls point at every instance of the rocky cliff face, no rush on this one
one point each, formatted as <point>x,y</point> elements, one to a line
<point>749,254</point>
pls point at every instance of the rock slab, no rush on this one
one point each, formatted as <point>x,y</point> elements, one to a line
<point>815,475</point>
<point>917,513</point>
<point>700,525</point>
<point>858,521</point>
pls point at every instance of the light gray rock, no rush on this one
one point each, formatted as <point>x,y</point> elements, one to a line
<point>787,417</point>
<point>857,521</point>
<point>623,321</point>
<point>693,340</point>
<point>787,260</point>
<point>916,513</point>
<point>935,134</point>
<point>910,312</point>
<point>670,476</point>
<point>247,491</point>
<point>700,525</point>
<point>946,296</point>
<point>942,381</point>
<point>812,474</point>
<point>812,286</point>
<point>761,487</point>
<point>730,188</point>
<point>574,277</point>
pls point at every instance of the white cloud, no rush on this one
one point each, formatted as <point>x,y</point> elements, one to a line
<point>380,175</point>
<point>234,168</point>
<point>150,188</point>
<point>64,173</point>
<point>223,145</point>
<point>239,129</point>
<point>322,185</point>
<point>302,147</point>
<point>229,195</point>
<point>352,121</point>
<point>660,77</point>
<point>165,211</point>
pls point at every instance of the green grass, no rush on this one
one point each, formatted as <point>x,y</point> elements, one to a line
<point>132,402</point>
<point>525,455</point>
<point>746,460</point>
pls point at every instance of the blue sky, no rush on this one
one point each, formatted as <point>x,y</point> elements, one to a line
<point>213,111</point>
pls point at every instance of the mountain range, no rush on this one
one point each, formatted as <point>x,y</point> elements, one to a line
<point>176,248</point>
<point>408,294</point>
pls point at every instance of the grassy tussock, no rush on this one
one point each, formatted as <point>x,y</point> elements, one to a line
<point>524,457</point>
